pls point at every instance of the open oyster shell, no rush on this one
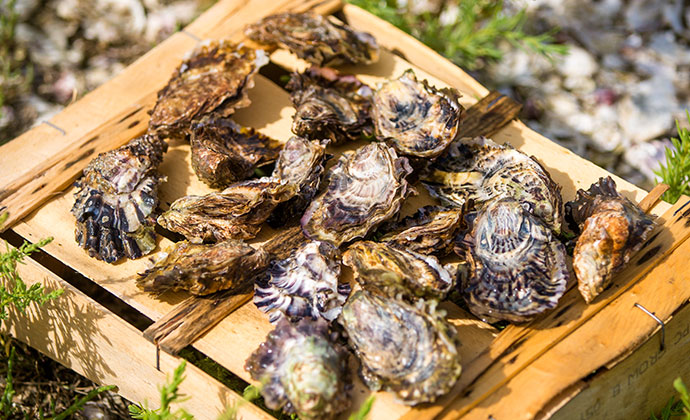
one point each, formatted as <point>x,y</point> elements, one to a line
<point>315,38</point>
<point>204,269</point>
<point>329,105</point>
<point>116,200</point>
<point>481,170</point>
<point>302,370</point>
<point>613,229</point>
<point>431,230</point>
<point>414,117</point>
<point>213,78</point>
<point>303,285</point>
<point>517,269</point>
<point>223,152</point>
<point>366,187</point>
<point>382,268</point>
<point>410,350</point>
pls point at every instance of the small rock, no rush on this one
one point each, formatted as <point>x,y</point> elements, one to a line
<point>643,15</point>
<point>578,63</point>
<point>646,157</point>
<point>646,113</point>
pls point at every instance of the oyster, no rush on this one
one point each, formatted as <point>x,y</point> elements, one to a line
<point>224,153</point>
<point>213,78</point>
<point>366,187</point>
<point>234,213</point>
<point>204,269</point>
<point>416,118</point>
<point>517,269</point>
<point>382,268</point>
<point>410,350</point>
<point>116,200</point>
<point>613,229</point>
<point>301,165</point>
<point>302,370</point>
<point>481,170</point>
<point>303,285</point>
<point>315,38</point>
<point>431,230</point>
<point>329,105</point>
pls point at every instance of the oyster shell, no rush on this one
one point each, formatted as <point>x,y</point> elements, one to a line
<point>204,269</point>
<point>613,229</point>
<point>301,164</point>
<point>366,187</point>
<point>213,78</point>
<point>382,268</point>
<point>303,285</point>
<point>329,105</point>
<point>481,170</point>
<point>517,269</point>
<point>234,213</point>
<point>410,350</point>
<point>416,118</point>
<point>431,230</point>
<point>116,200</point>
<point>302,370</point>
<point>315,38</point>
<point>224,152</point>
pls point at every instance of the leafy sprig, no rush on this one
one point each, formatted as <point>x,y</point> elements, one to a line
<point>676,171</point>
<point>169,394</point>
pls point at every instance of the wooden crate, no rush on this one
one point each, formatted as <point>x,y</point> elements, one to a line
<point>578,361</point>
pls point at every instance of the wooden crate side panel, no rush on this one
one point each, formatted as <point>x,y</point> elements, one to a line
<point>86,337</point>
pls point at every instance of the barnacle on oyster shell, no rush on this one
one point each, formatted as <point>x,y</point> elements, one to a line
<point>481,170</point>
<point>382,268</point>
<point>315,38</point>
<point>223,152</point>
<point>329,105</point>
<point>302,370</point>
<point>414,117</point>
<point>517,269</point>
<point>366,187</point>
<point>613,229</point>
<point>117,197</point>
<point>303,285</point>
<point>204,269</point>
<point>431,230</point>
<point>213,78</point>
<point>410,350</point>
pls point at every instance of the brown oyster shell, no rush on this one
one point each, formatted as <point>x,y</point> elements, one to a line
<point>613,229</point>
<point>223,152</point>
<point>204,269</point>
<point>329,105</point>
<point>315,38</point>
<point>414,117</point>
<point>431,230</point>
<point>214,78</point>
<point>117,198</point>
<point>366,187</point>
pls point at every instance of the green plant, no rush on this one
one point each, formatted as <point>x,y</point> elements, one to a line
<point>473,37</point>
<point>676,408</point>
<point>676,172</point>
<point>364,409</point>
<point>169,394</point>
<point>15,75</point>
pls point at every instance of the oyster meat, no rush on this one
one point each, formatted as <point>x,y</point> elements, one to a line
<point>516,268</point>
<point>414,117</point>
<point>613,229</point>
<point>329,105</point>
<point>366,187</point>
<point>302,370</point>
<point>315,38</point>
<point>117,197</point>
<point>481,170</point>
<point>204,269</point>
<point>214,78</point>
<point>410,350</point>
<point>382,268</point>
<point>303,285</point>
<point>431,230</point>
<point>234,213</point>
<point>224,152</point>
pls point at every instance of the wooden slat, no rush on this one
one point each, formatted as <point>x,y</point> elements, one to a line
<point>488,116</point>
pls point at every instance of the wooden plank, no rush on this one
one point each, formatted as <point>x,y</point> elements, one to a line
<point>489,115</point>
<point>84,336</point>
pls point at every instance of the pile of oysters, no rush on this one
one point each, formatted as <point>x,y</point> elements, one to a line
<point>497,225</point>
